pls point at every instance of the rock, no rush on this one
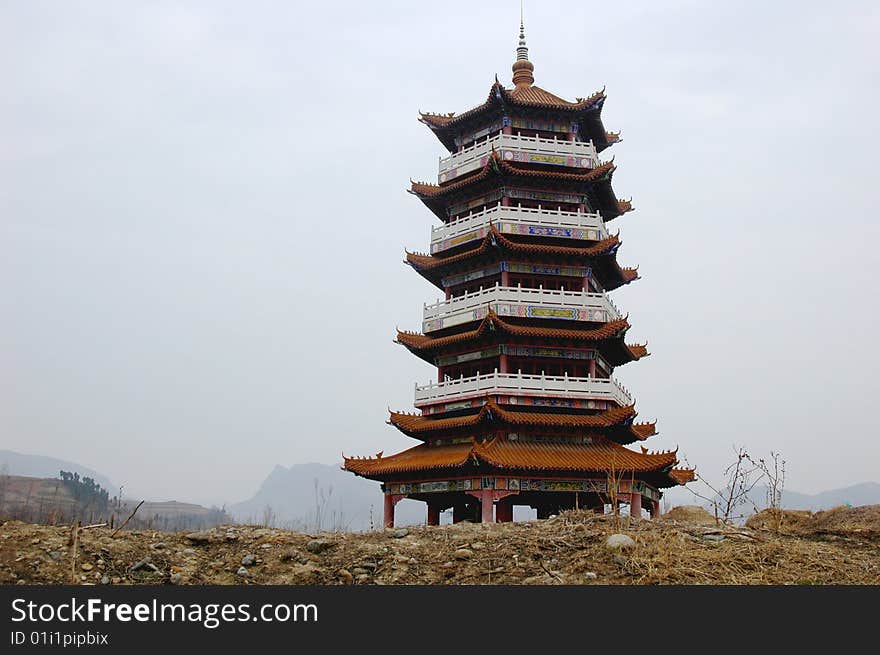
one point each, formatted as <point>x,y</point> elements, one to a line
<point>345,576</point>
<point>713,537</point>
<point>105,580</point>
<point>56,555</point>
<point>358,570</point>
<point>463,554</point>
<point>144,565</point>
<point>86,566</point>
<point>242,572</point>
<point>307,574</point>
<point>400,533</point>
<point>617,559</point>
<point>200,537</point>
<point>370,566</point>
<point>176,578</point>
<point>159,545</point>
<point>590,575</point>
<point>412,560</point>
<point>693,514</point>
<point>265,546</point>
<point>293,555</point>
<point>363,577</point>
<point>619,542</point>
<point>115,580</point>
<point>318,545</point>
<point>249,560</point>
<point>189,551</point>
<point>478,545</point>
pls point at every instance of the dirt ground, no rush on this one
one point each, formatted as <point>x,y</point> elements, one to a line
<point>837,547</point>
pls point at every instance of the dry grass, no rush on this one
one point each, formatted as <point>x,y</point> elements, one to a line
<point>562,550</point>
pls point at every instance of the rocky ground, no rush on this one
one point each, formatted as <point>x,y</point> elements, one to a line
<point>684,547</point>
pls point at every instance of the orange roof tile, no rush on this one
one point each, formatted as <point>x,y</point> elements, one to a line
<point>496,165</point>
<point>638,350</point>
<point>417,341</point>
<point>417,424</point>
<point>494,238</point>
<point>531,455</point>
<point>683,476</point>
<point>524,96</point>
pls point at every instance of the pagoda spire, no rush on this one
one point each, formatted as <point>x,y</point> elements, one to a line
<point>522,67</point>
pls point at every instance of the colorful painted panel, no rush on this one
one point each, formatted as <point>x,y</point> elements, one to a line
<point>538,269</point>
<point>469,357</point>
<point>548,231</point>
<point>540,158</point>
<point>559,353</point>
<point>473,235</point>
<point>543,126</point>
<point>549,196</point>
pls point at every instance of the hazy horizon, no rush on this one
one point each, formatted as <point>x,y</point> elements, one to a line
<point>203,216</point>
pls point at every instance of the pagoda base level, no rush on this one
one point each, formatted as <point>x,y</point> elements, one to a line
<point>495,506</point>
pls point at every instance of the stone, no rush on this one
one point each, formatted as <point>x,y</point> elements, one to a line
<point>265,546</point>
<point>200,537</point>
<point>115,580</point>
<point>617,559</point>
<point>189,551</point>
<point>590,575</point>
<point>249,560</point>
<point>463,554</point>
<point>478,545</point>
<point>105,580</point>
<point>318,545</point>
<point>159,545</point>
<point>619,542</point>
<point>345,576</point>
<point>86,566</point>
<point>176,578</point>
<point>144,565</point>
<point>363,577</point>
<point>400,533</point>
<point>713,537</point>
<point>242,572</point>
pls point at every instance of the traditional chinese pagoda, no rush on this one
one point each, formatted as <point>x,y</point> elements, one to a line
<point>525,410</point>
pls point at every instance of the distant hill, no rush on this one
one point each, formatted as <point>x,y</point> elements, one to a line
<point>321,496</point>
<point>41,466</point>
<point>865,493</point>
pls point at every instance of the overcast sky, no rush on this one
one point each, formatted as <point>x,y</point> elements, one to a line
<point>203,216</point>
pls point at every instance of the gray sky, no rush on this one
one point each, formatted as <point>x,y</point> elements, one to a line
<point>203,216</point>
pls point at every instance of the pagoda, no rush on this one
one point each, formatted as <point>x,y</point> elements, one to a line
<point>525,410</point>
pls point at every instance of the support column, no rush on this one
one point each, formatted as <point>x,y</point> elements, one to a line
<point>635,505</point>
<point>505,201</point>
<point>504,510</point>
<point>592,372</point>
<point>486,499</point>
<point>389,511</point>
<point>655,509</point>
<point>505,278</point>
<point>502,364</point>
<point>433,514</point>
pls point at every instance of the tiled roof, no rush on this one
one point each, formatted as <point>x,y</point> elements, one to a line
<point>532,455</point>
<point>638,350</point>
<point>683,476</point>
<point>417,341</point>
<point>494,238</point>
<point>523,96</point>
<point>491,412</point>
<point>496,166</point>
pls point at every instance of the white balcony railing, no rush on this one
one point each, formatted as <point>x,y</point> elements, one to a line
<point>518,384</point>
<point>519,302</point>
<point>513,147</point>
<point>519,220</point>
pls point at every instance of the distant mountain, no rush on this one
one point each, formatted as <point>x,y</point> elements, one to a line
<point>865,493</point>
<point>41,466</point>
<point>321,496</point>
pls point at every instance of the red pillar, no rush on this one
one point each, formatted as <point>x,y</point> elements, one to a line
<point>448,293</point>
<point>655,509</point>
<point>592,372</point>
<point>486,499</point>
<point>507,129</point>
<point>505,201</point>
<point>389,511</point>
<point>505,278</point>
<point>502,364</point>
<point>433,514</point>
<point>635,505</point>
<point>504,510</point>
